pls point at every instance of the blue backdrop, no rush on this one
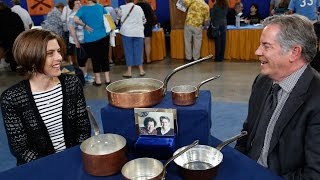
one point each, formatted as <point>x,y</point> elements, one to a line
<point>162,12</point>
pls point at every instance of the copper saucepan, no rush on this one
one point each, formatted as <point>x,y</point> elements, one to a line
<point>103,154</point>
<point>149,168</point>
<point>202,161</point>
<point>141,92</point>
<point>185,95</point>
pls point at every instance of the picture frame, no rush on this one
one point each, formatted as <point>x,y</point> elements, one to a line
<point>156,121</point>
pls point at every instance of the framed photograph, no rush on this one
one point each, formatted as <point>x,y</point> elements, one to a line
<point>156,121</point>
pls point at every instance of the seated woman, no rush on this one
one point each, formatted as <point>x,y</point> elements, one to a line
<point>46,112</point>
<point>254,16</point>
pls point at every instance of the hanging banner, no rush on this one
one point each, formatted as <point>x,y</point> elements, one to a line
<point>39,7</point>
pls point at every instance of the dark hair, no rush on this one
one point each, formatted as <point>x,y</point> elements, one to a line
<point>149,119</point>
<point>71,4</point>
<point>164,117</point>
<point>256,6</point>
<point>30,49</point>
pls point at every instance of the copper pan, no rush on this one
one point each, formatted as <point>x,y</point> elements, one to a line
<point>141,92</point>
<point>185,95</point>
<point>103,154</point>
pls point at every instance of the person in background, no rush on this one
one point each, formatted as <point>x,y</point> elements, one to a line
<point>132,20</point>
<point>24,15</point>
<point>64,18</point>
<point>149,127</point>
<point>113,14</point>
<point>165,128</point>
<point>46,112</point>
<point>96,39</point>
<point>197,16</point>
<point>232,13</point>
<point>305,8</point>
<point>12,26</point>
<point>148,13</point>
<point>53,21</point>
<point>76,39</point>
<point>218,16</point>
<point>253,17</point>
<point>278,7</point>
<point>283,121</point>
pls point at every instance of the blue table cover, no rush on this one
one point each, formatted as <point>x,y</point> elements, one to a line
<point>67,165</point>
<point>194,122</point>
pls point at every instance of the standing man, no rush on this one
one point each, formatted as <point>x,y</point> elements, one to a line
<point>307,8</point>
<point>283,121</point>
<point>24,15</point>
<point>197,15</point>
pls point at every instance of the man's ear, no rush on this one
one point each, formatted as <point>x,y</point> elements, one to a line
<point>295,53</point>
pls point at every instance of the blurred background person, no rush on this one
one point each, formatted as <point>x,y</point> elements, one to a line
<point>76,39</point>
<point>233,12</point>
<point>218,16</point>
<point>148,13</point>
<point>305,8</point>
<point>24,15</point>
<point>53,21</point>
<point>96,39</point>
<point>197,16</point>
<point>11,27</point>
<point>46,112</point>
<point>253,17</point>
<point>149,127</point>
<point>113,14</point>
<point>278,7</point>
<point>64,18</point>
<point>132,31</point>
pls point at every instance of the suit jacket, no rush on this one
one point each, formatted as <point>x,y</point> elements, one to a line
<point>294,151</point>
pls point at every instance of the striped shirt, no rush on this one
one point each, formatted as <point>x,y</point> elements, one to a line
<point>283,94</point>
<point>49,104</point>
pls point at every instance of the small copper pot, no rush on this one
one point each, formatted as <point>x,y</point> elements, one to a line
<point>185,95</point>
<point>103,154</point>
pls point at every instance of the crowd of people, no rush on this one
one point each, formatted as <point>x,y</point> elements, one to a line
<point>45,113</point>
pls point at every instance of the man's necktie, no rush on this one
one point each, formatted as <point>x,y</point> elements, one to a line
<point>269,107</point>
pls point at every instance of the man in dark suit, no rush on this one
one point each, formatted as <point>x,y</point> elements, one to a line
<point>288,141</point>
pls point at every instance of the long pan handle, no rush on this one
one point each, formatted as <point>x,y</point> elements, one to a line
<point>93,121</point>
<point>205,81</point>
<point>223,144</point>
<point>179,69</point>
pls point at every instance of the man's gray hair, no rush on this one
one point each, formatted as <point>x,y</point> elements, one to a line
<point>295,30</point>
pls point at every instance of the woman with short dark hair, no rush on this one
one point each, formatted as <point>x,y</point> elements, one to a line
<point>46,112</point>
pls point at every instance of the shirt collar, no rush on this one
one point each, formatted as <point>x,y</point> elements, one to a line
<point>288,83</point>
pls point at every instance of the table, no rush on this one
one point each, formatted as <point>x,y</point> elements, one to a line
<point>241,43</point>
<point>68,165</point>
<point>158,46</point>
<point>194,122</point>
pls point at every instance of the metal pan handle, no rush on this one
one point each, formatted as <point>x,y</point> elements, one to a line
<point>223,144</point>
<point>205,81</point>
<point>179,69</point>
<point>93,121</point>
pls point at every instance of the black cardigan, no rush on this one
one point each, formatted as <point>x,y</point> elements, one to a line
<point>27,134</point>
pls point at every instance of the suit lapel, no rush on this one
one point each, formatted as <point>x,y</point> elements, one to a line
<point>293,103</point>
